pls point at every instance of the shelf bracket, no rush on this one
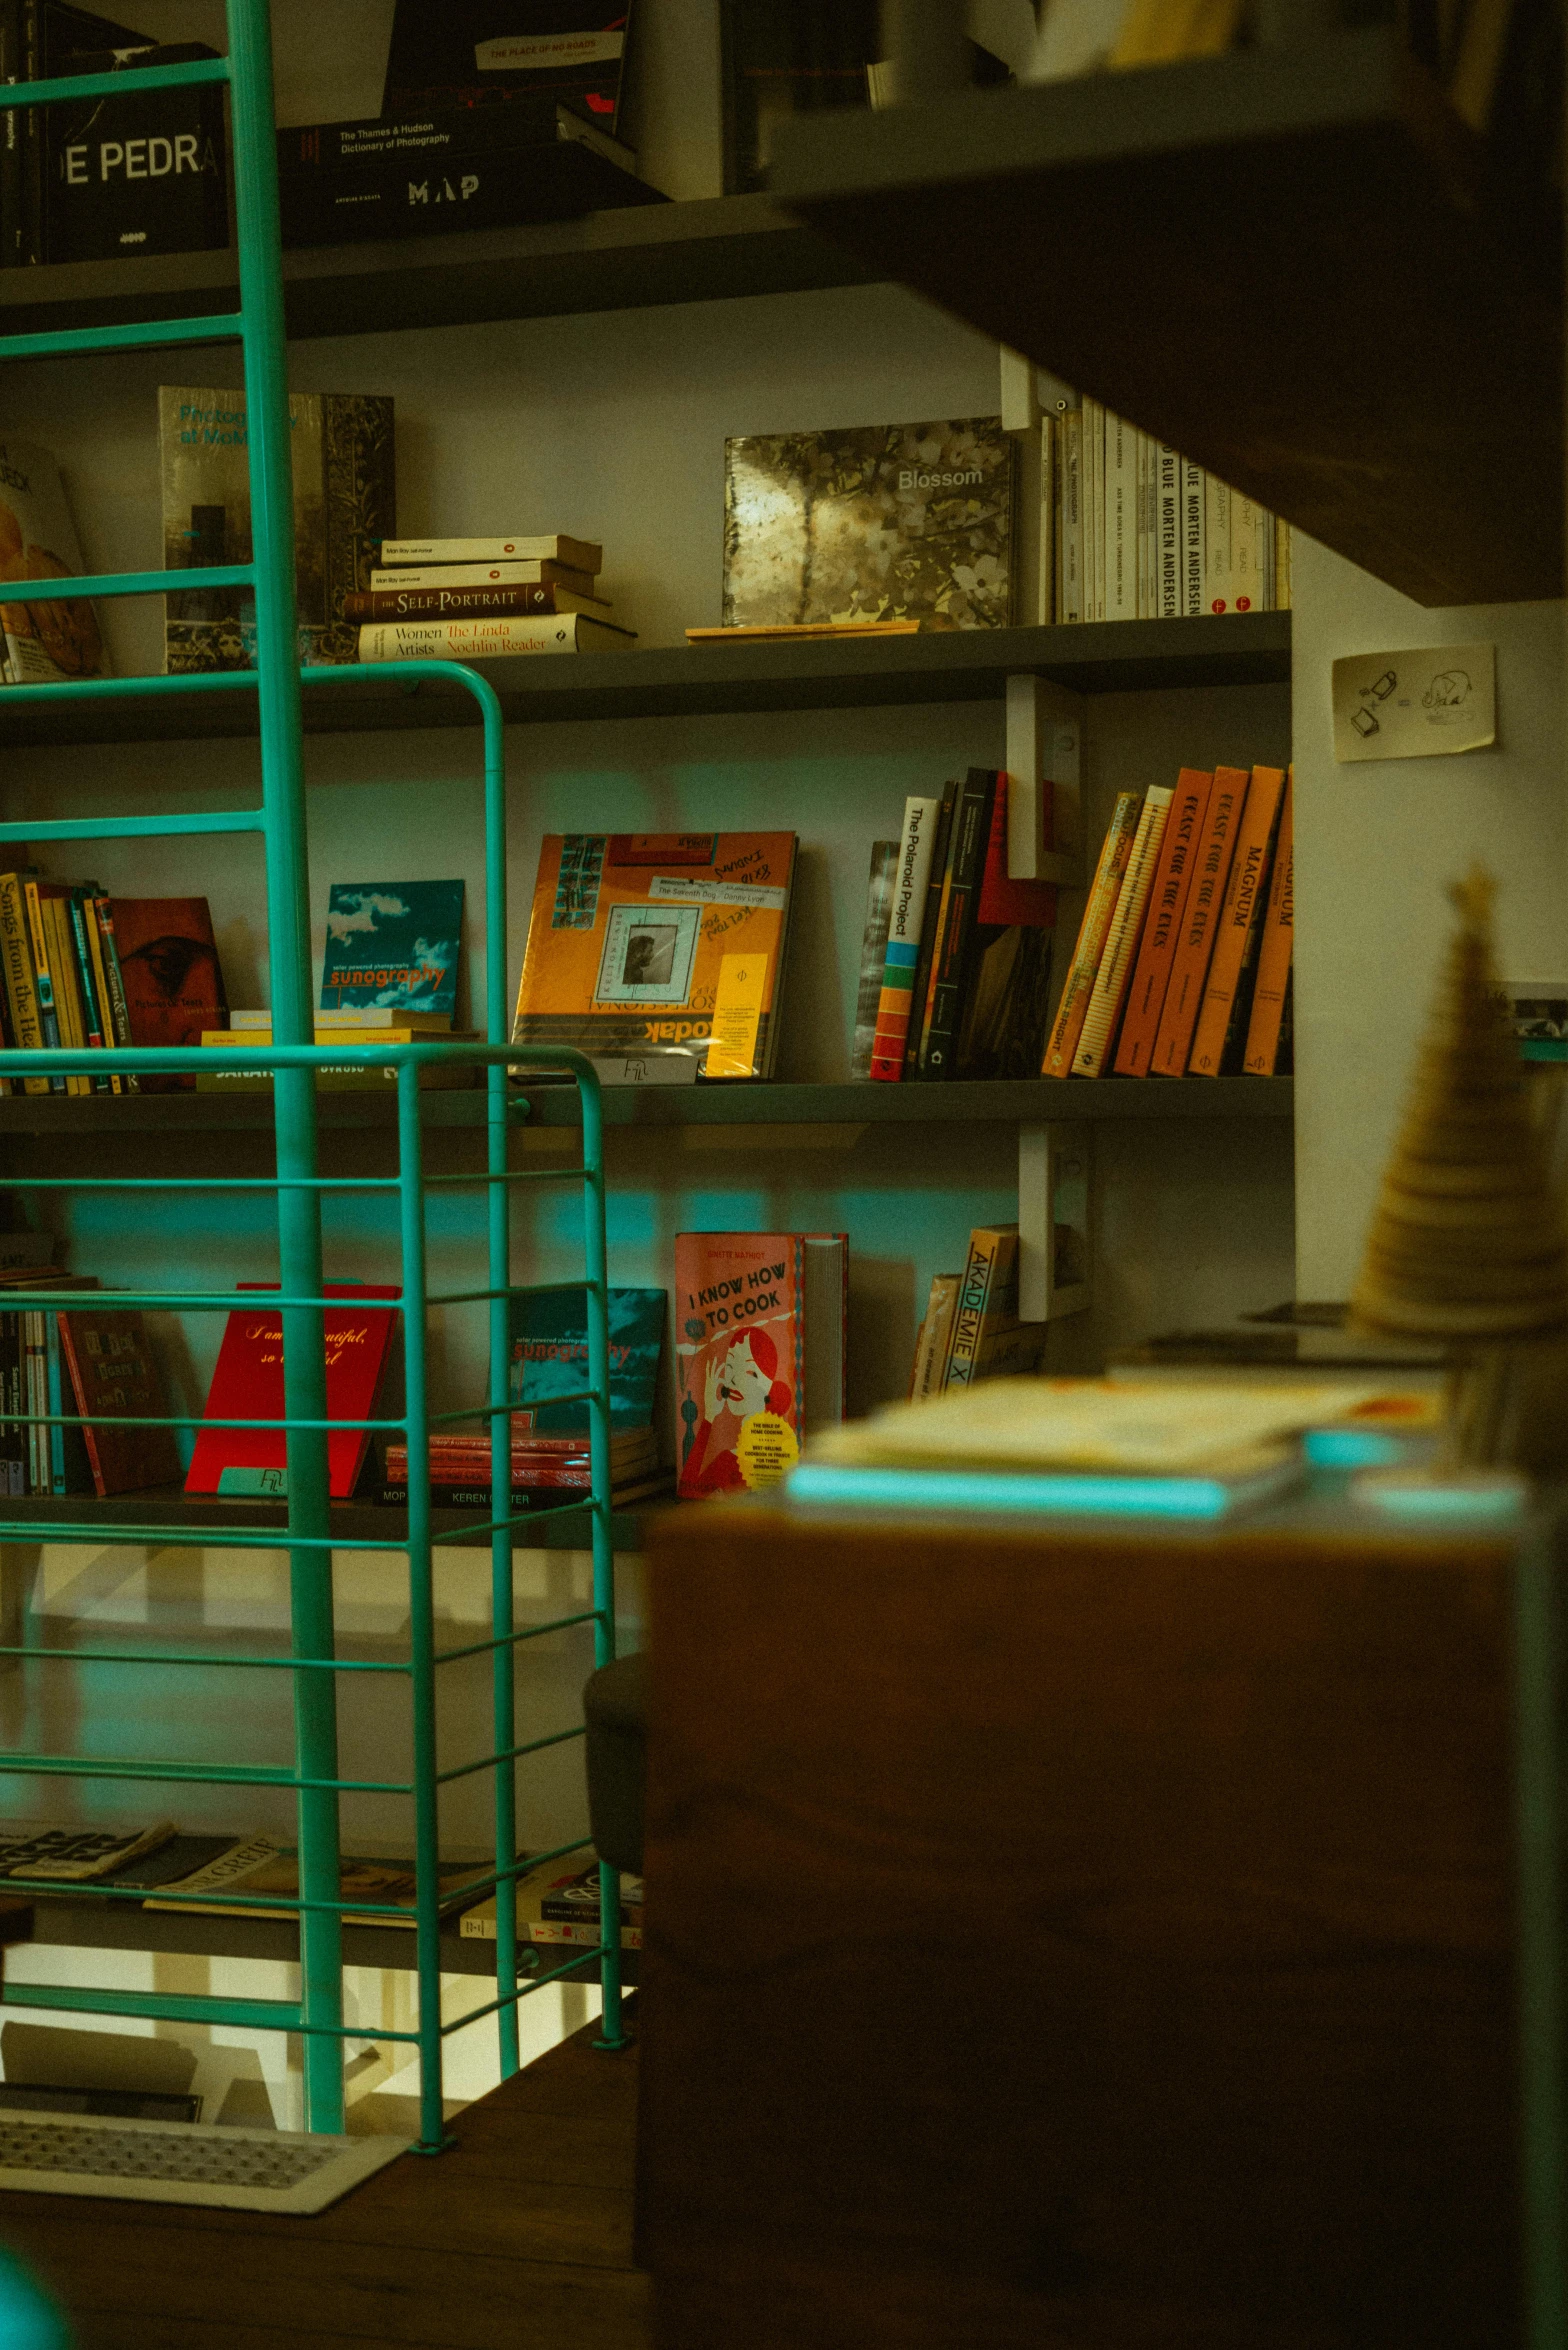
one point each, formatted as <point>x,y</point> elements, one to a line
<point>1044,781</point>
<point>1054,1235</point>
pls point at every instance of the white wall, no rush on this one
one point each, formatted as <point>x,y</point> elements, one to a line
<point>1376,844</point>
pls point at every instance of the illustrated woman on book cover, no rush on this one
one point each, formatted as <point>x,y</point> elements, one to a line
<point>736,1387</point>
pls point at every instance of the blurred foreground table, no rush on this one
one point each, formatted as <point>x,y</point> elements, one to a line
<point>1101,1937</point>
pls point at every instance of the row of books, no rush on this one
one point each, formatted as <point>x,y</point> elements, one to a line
<point>1132,530</point>
<point>1183,959</point>
<point>256,1876</point>
<point>955,968</point>
<point>74,961</point>
<point>91,1364</point>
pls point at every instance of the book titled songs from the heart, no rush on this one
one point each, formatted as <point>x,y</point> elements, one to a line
<point>247,1384</point>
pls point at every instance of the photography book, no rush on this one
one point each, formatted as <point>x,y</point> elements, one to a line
<point>393,945</point>
<point>489,56</point>
<point>47,643</point>
<point>345,503</point>
<point>146,173</point>
<point>550,1359</point>
<point>640,939</point>
<point>759,1352</point>
<point>875,522</point>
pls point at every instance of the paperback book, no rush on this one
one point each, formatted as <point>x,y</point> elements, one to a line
<point>649,939</point>
<point>115,1378</point>
<point>875,522</point>
<point>50,642</point>
<point>393,946</point>
<point>247,1384</point>
<point>759,1352</point>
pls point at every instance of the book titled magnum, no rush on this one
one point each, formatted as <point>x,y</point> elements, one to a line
<point>876,522</point>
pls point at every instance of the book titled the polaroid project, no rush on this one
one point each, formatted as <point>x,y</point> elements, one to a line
<point>393,944</point>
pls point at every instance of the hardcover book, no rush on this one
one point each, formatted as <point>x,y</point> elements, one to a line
<point>641,939</point>
<point>550,1358</point>
<point>873,955</point>
<point>393,944</point>
<point>759,1352</point>
<point>171,978</point>
<point>146,173</point>
<point>47,643</point>
<point>247,1384</point>
<point>875,522</point>
<point>485,55</point>
<point>552,1881</point>
<point>341,446</point>
<point>114,1376</point>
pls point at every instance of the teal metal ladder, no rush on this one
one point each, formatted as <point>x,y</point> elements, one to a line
<point>315,1778</point>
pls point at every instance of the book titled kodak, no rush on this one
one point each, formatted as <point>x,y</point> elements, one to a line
<point>490,640</point>
<point>642,939</point>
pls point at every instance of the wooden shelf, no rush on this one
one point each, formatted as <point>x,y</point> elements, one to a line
<point>1287,263</point>
<point>971,665</point>
<point>1002,1102</point>
<point>631,259</point>
<point>353,1523</point>
<point>80,1923</point>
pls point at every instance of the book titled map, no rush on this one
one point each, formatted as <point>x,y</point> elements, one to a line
<point>875,522</point>
<point>393,943</point>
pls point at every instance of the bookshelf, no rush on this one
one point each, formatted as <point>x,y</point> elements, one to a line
<point>704,250</point>
<point>741,1104</point>
<point>1127,656</point>
<point>1313,231</point>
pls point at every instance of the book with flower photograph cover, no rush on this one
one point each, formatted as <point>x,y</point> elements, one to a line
<point>874,522</point>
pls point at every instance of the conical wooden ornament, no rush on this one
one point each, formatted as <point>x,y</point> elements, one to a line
<point>1468,1243</point>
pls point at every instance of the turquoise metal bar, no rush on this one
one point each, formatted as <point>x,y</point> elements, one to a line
<point>256,2015</point>
<point>215,1661</point>
<point>421,1628</point>
<point>75,342</point>
<point>612,2030</point>
<point>294,1098</point>
<point>132,827</point>
<point>66,87</point>
<point>76,589</point>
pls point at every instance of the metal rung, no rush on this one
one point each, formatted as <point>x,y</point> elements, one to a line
<point>224,326</point>
<point>170,2007</point>
<point>126,583</point>
<point>136,827</point>
<point>114,85</point>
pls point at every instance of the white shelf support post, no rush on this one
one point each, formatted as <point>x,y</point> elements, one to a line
<point>1054,1235</point>
<point>1044,782</point>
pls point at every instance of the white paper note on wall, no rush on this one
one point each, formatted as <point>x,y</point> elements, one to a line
<point>1415,705</point>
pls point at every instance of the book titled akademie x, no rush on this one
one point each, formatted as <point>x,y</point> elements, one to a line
<point>876,522</point>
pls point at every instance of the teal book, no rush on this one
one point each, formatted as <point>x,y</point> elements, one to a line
<point>550,1357</point>
<point>393,943</point>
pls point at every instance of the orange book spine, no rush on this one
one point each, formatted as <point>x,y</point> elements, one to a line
<point>1242,912</point>
<point>1098,914</point>
<point>1097,1039</point>
<point>1190,966</point>
<point>1162,928</point>
<point>1279,932</point>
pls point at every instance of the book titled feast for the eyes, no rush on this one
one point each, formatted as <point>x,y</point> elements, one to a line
<point>247,1384</point>
<point>876,522</point>
<point>659,938</point>
<point>393,943</point>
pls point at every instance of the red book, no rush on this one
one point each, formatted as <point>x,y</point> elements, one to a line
<point>114,1376</point>
<point>759,1352</point>
<point>247,1384</point>
<point>171,975</point>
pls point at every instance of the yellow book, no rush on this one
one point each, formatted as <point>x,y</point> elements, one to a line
<point>17,960</point>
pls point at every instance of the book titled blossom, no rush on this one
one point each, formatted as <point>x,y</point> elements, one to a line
<point>874,522</point>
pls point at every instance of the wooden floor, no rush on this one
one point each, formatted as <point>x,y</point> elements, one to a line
<point>519,2239</point>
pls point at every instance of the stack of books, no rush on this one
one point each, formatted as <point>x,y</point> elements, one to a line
<point>476,599</point>
<point>963,951</point>
<point>550,1458</point>
<point>558,1903</point>
<point>1183,961</point>
<point>971,1329</point>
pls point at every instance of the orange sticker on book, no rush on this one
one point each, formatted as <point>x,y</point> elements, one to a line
<point>737,1014</point>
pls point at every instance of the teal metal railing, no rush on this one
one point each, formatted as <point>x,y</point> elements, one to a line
<point>298,1188</point>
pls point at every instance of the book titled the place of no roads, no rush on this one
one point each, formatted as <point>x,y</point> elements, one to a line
<point>875,522</point>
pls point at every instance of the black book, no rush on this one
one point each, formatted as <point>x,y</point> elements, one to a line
<point>951,952</point>
<point>11,138</point>
<point>14,1481</point>
<point>479,54</point>
<point>928,923</point>
<point>146,173</point>
<point>465,167</point>
<point>50,35</point>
